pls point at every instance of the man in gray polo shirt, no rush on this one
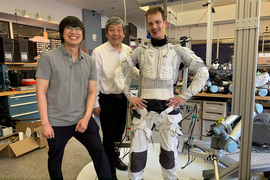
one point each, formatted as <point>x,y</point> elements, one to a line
<point>66,92</point>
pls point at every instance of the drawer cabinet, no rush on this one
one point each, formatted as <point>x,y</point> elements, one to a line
<point>21,106</point>
<point>22,98</point>
<point>213,110</point>
<point>213,115</point>
<point>214,106</point>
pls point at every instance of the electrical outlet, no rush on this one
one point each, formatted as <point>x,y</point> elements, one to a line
<point>267,29</point>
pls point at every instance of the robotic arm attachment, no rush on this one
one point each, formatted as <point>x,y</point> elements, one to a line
<point>221,139</point>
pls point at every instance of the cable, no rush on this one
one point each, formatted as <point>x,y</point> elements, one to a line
<point>125,12</point>
<point>125,154</point>
<point>173,15</point>
<point>186,117</point>
<point>121,140</point>
<point>189,142</point>
<point>128,117</point>
<point>17,26</point>
<point>191,26</point>
<point>200,19</point>
<point>182,12</point>
<point>266,125</point>
<point>189,161</point>
<point>93,13</point>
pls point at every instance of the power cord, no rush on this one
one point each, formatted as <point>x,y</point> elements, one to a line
<point>189,143</point>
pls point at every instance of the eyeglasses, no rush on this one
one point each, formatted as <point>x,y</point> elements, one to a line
<point>75,28</point>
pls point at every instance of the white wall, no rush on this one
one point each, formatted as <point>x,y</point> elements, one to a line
<point>141,33</point>
<point>222,14</point>
<point>45,7</point>
<point>219,31</point>
<point>103,21</point>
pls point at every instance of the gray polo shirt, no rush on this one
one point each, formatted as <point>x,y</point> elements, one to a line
<point>68,83</point>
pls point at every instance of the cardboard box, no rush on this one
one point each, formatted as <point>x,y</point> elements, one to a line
<point>35,127</point>
<point>22,125</point>
<point>263,58</point>
<point>18,147</point>
<point>42,141</point>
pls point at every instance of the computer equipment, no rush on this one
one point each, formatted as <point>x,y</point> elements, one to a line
<point>15,78</point>
<point>6,50</point>
<point>32,51</point>
<point>21,50</point>
<point>3,34</point>
<point>29,74</point>
<point>132,30</point>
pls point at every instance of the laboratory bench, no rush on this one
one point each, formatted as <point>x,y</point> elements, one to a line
<point>218,95</point>
<point>10,93</point>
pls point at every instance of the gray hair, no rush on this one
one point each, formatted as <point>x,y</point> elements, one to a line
<point>114,21</point>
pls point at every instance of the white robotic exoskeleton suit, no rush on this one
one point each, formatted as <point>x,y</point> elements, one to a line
<point>159,69</point>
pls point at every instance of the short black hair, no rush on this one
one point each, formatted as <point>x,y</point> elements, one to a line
<point>70,21</point>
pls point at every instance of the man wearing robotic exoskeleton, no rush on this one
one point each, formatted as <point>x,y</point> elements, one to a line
<point>156,105</point>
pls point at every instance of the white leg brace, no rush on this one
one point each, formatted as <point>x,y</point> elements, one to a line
<point>141,130</point>
<point>169,133</point>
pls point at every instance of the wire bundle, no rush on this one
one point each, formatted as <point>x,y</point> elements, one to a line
<point>189,143</point>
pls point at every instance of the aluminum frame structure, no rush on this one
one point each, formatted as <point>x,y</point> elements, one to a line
<point>247,19</point>
<point>209,33</point>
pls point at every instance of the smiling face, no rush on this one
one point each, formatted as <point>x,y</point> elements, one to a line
<point>156,25</point>
<point>115,34</point>
<point>72,37</point>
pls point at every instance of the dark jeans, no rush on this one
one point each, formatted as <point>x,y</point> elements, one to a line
<point>113,121</point>
<point>90,139</point>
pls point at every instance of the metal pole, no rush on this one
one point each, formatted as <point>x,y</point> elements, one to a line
<point>244,72</point>
<point>209,33</point>
<point>217,57</point>
<point>216,168</point>
<point>165,9</point>
<point>165,12</point>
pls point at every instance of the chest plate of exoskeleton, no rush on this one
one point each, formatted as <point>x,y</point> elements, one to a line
<point>158,63</point>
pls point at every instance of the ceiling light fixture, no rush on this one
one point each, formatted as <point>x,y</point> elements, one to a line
<point>50,18</point>
<point>145,8</point>
<point>39,16</point>
<point>25,13</point>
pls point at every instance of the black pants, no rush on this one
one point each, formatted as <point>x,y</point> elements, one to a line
<point>90,139</point>
<point>113,122</point>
